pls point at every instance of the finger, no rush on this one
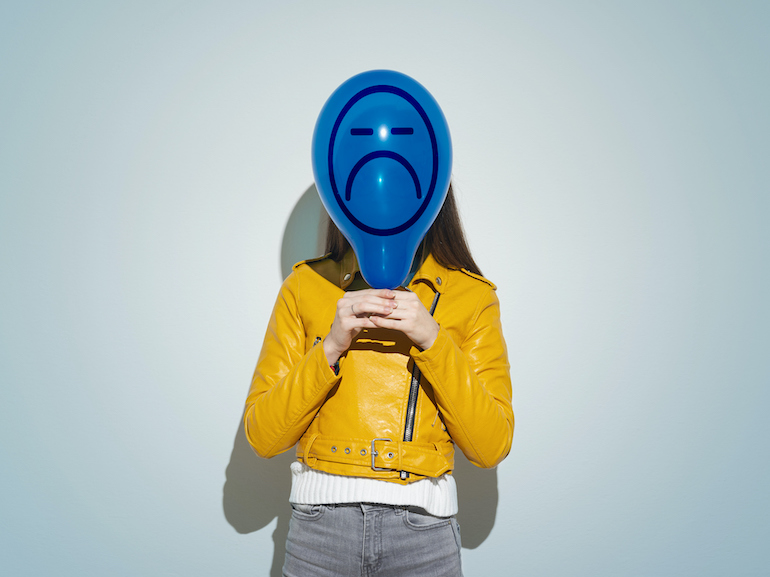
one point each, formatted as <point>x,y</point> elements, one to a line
<point>382,293</point>
<point>371,306</point>
<point>365,296</point>
<point>407,297</point>
<point>400,314</point>
<point>361,303</point>
<point>387,323</point>
<point>379,293</point>
<point>357,323</point>
<point>375,300</point>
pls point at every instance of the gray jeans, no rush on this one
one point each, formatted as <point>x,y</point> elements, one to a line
<point>371,540</point>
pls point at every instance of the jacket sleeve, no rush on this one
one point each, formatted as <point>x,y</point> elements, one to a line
<point>289,384</point>
<point>472,385</point>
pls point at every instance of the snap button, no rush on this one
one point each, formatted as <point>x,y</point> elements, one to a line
<point>438,280</point>
<point>347,450</point>
<point>363,452</point>
<point>347,276</point>
<point>334,449</point>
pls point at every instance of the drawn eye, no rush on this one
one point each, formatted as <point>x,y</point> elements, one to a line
<point>361,131</point>
<point>407,130</point>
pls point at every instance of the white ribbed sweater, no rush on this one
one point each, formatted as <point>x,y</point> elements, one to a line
<point>310,487</point>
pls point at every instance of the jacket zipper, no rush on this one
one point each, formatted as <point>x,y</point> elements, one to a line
<point>414,389</point>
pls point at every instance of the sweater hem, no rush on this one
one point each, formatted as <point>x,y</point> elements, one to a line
<point>438,496</point>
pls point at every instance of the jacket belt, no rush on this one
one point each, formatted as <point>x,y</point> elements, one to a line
<point>427,459</point>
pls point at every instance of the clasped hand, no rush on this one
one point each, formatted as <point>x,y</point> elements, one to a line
<point>379,308</point>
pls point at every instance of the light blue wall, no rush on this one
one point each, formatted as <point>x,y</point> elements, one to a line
<point>612,163</point>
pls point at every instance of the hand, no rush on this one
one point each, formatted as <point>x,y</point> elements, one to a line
<point>411,318</point>
<point>355,312</point>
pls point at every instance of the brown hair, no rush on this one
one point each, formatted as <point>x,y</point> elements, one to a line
<point>445,239</point>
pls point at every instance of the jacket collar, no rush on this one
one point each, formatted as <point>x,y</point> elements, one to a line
<point>433,274</point>
<point>430,272</point>
<point>348,269</point>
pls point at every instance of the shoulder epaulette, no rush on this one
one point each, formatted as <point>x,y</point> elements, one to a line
<point>479,277</point>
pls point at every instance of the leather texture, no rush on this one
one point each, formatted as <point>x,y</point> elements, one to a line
<point>465,393</point>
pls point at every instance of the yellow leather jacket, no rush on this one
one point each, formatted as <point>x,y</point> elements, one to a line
<point>354,423</point>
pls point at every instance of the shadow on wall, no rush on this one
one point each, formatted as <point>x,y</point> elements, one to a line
<point>256,490</point>
<point>305,231</point>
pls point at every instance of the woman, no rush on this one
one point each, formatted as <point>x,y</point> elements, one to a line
<point>377,402</point>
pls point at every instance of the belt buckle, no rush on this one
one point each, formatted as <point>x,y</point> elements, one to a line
<point>374,453</point>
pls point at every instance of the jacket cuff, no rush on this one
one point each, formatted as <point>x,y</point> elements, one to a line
<point>436,350</point>
<point>325,371</point>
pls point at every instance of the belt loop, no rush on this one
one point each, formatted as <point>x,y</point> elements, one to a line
<point>306,457</point>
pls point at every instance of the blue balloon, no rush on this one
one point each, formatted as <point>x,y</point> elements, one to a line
<point>382,160</point>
